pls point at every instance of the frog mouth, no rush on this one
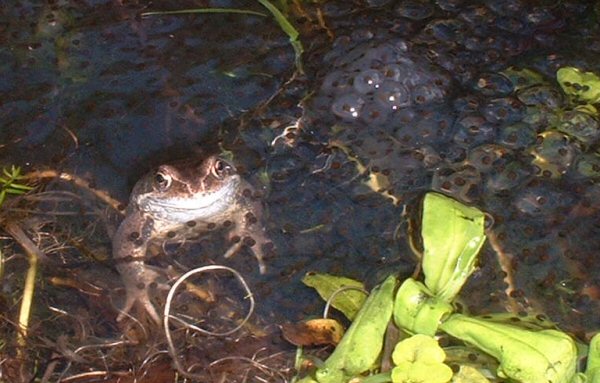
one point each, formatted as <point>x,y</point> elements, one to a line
<point>196,207</point>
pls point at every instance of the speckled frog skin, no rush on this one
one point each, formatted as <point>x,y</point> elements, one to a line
<point>175,203</point>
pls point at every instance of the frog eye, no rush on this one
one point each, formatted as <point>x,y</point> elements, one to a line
<point>162,181</point>
<point>220,168</point>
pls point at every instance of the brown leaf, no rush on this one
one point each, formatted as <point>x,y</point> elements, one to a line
<point>313,332</point>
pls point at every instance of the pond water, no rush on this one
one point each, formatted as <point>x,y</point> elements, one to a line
<point>455,96</point>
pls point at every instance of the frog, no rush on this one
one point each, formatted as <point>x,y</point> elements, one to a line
<point>178,202</point>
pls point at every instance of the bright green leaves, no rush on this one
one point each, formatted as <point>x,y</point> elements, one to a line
<point>9,184</point>
<point>580,86</point>
<point>593,362</point>
<point>348,301</point>
<point>420,359</point>
<point>524,355</point>
<point>452,236</point>
<point>361,345</point>
<point>418,348</point>
<point>417,310</point>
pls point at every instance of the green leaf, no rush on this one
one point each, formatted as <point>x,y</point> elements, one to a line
<point>307,379</point>
<point>420,348</point>
<point>420,359</point>
<point>289,29</point>
<point>419,372</point>
<point>524,355</point>
<point>469,356</point>
<point>361,346</point>
<point>468,374</point>
<point>592,370</point>
<point>529,322</point>
<point>416,310</point>
<point>452,236</point>
<point>580,86</point>
<point>348,301</point>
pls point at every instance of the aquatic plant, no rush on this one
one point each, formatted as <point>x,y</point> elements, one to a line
<point>9,183</point>
<point>452,237</point>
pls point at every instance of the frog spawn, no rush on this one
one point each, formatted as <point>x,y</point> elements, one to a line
<point>509,143</point>
<point>505,108</point>
<point>381,80</point>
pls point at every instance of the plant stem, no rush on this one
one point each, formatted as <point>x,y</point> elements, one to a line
<point>34,254</point>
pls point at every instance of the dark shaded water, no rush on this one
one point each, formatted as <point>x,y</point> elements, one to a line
<point>418,92</point>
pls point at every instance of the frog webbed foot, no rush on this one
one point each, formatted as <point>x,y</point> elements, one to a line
<point>138,295</point>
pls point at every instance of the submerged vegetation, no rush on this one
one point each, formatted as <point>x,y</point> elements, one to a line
<point>452,237</point>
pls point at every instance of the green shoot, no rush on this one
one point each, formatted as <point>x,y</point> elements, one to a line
<point>289,29</point>
<point>9,184</point>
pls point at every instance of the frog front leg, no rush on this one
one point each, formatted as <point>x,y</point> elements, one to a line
<point>129,251</point>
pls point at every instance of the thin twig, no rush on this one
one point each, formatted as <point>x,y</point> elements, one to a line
<point>103,196</point>
<point>34,255</point>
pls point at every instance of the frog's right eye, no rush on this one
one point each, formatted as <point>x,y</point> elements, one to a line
<point>162,181</point>
<point>220,169</point>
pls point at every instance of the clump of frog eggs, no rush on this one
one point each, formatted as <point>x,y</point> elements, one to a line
<point>396,113</point>
<point>430,101</point>
<point>438,106</point>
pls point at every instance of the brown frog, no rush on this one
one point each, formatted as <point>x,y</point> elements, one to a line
<point>175,203</point>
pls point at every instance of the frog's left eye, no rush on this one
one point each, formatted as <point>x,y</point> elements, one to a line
<point>221,168</point>
<point>162,181</point>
